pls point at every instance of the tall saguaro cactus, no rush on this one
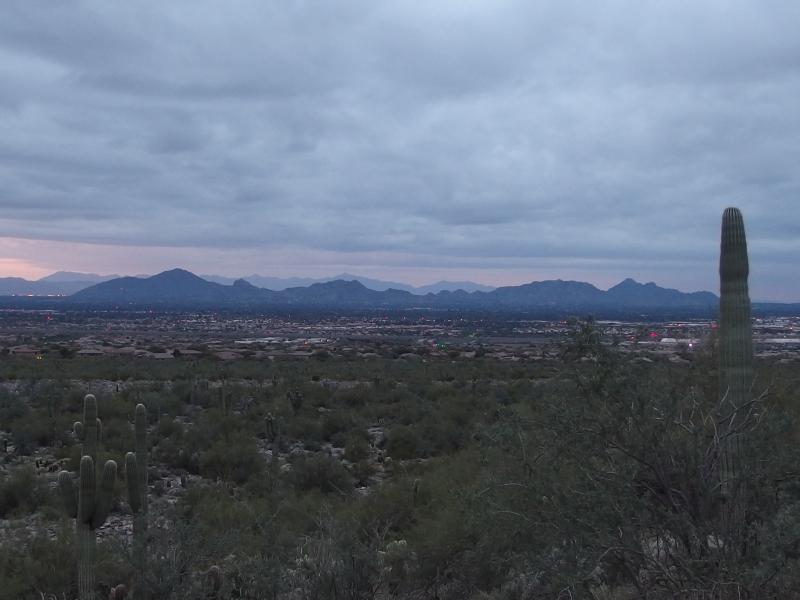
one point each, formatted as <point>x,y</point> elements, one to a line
<point>90,504</point>
<point>136,477</point>
<point>90,430</point>
<point>735,356</point>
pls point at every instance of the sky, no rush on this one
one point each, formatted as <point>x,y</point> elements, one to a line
<point>496,141</point>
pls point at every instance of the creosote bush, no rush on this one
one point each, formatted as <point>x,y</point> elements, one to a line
<point>322,473</point>
<point>21,492</point>
<point>234,459</point>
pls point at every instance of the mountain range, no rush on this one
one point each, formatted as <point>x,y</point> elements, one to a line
<point>278,283</point>
<point>180,288</point>
<point>66,283</point>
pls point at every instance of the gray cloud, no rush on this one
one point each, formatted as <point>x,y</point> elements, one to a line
<point>464,132</point>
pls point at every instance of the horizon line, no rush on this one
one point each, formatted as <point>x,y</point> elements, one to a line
<point>340,277</point>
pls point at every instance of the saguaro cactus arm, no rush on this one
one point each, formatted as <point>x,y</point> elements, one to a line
<point>136,464</point>
<point>86,490</point>
<point>90,430</point>
<point>132,480</point>
<point>93,501</point>
<point>104,496</point>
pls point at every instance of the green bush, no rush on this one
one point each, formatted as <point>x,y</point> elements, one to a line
<point>354,397</point>
<point>12,406</point>
<point>234,459</point>
<point>357,445</point>
<point>363,470</point>
<point>320,472</point>
<point>21,492</point>
<point>37,567</point>
<point>337,422</point>
<point>403,443</point>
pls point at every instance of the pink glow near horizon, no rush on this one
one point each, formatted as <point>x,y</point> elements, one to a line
<point>33,259</point>
<point>13,267</point>
<point>54,256</point>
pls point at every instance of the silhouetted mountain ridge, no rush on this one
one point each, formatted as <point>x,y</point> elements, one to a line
<point>279,283</point>
<point>17,286</point>
<point>65,283</point>
<point>60,283</point>
<point>632,292</point>
<point>179,287</point>
<point>176,287</point>
<point>71,277</point>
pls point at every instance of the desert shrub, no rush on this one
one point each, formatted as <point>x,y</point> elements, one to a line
<point>398,395</point>
<point>357,445</point>
<point>21,492</point>
<point>167,427</point>
<point>337,422</point>
<point>12,406</point>
<point>320,472</point>
<point>38,566</point>
<point>619,458</point>
<point>363,471</point>
<point>213,424</point>
<point>403,442</point>
<point>336,563</point>
<point>235,458</point>
<point>354,397</point>
<point>170,447</point>
<point>256,576</point>
<point>38,430</point>
<point>412,411</point>
<point>453,546</point>
<point>164,401</point>
<point>182,390</point>
<point>441,436</point>
<point>307,427</point>
<point>393,506</point>
<point>502,395</point>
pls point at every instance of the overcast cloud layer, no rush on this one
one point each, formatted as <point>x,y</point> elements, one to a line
<point>500,141</point>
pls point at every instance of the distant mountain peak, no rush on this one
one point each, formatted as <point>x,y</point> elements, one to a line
<point>343,284</point>
<point>244,284</point>
<point>631,292</point>
<point>630,283</point>
<point>177,272</point>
